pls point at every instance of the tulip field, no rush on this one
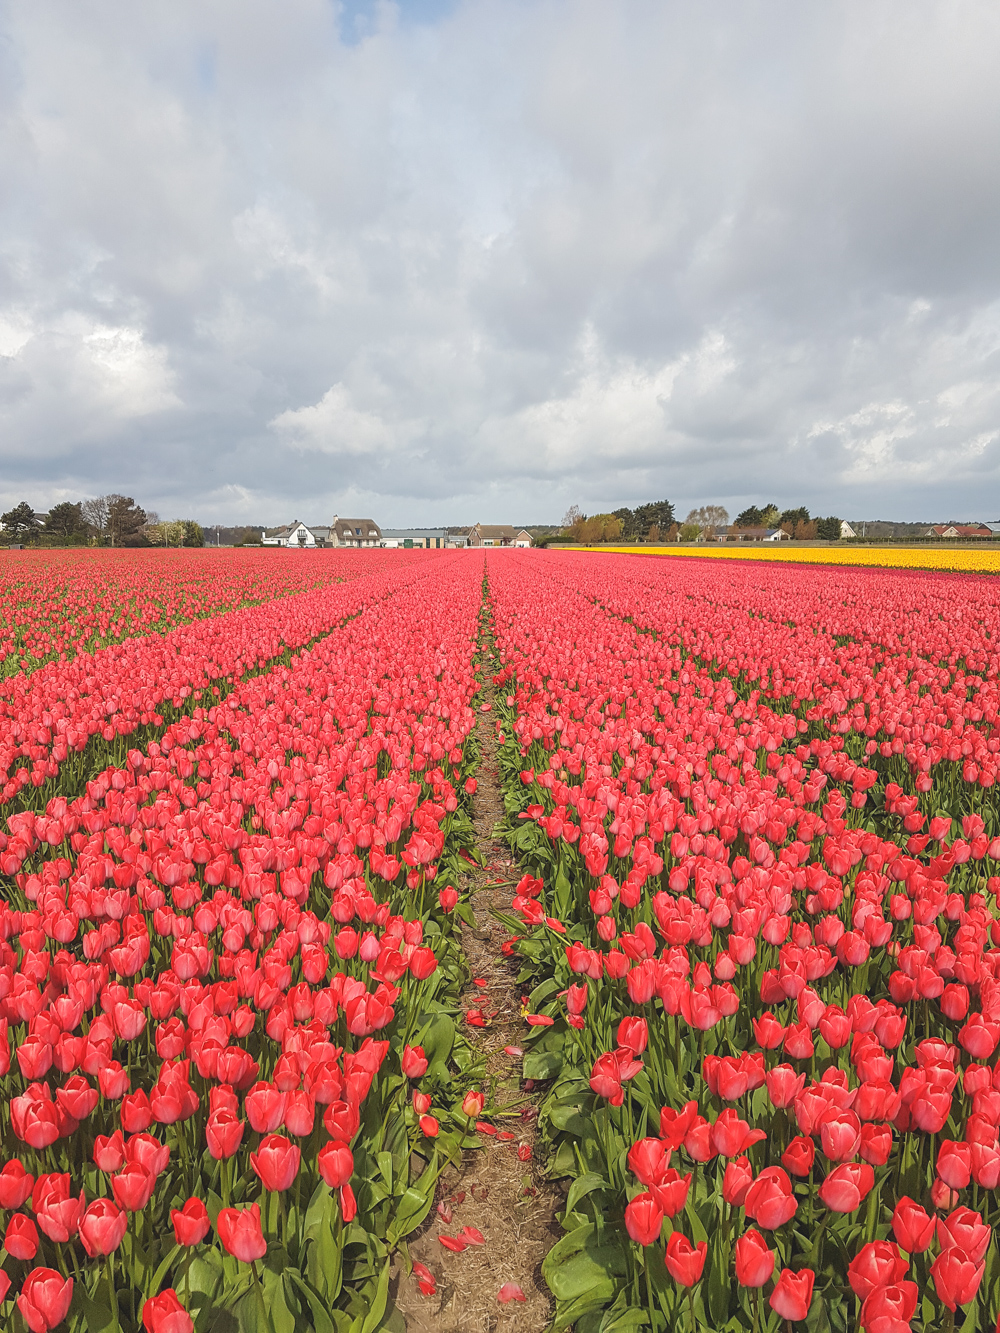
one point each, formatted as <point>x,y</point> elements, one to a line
<point>753,926</point>
<point>758,936</point>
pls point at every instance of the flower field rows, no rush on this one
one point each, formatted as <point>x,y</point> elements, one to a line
<point>54,605</point>
<point>757,940</point>
<point>225,964</point>
<point>758,937</point>
<point>982,559</point>
<point>53,715</point>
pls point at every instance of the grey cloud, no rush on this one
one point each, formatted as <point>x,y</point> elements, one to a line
<point>486,258</point>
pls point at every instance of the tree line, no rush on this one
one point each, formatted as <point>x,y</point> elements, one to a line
<point>104,520</point>
<point>655,522</point>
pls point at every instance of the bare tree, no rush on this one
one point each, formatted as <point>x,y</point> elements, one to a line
<point>95,514</point>
<point>708,518</point>
<point>712,516</point>
<point>573,515</point>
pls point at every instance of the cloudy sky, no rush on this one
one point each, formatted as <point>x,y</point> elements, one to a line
<point>448,260</point>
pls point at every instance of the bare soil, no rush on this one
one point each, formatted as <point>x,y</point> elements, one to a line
<point>506,1198</point>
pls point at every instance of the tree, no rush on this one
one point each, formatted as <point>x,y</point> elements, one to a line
<point>599,528</point>
<point>708,518</point>
<point>749,518</point>
<point>125,518</point>
<point>768,517</point>
<point>660,512</point>
<point>65,520</point>
<point>572,517</point>
<point>193,533</point>
<point>19,522</point>
<point>689,531</point>
<point>95,514</point>
<point>626,518</point>
<point>653,535</point>
<point>828,529</point>
<point>794,516</point>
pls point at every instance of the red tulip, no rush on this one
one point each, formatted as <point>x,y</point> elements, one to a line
<point>276,1162</point>
<point>685,1262</point>
<point>473,1103</point>
<point>890,1308</point>
<point>846,1186</point>
<point>15,1184</point>
<point>912,1227</point>
<point>965,1229</point>
<point>21,1238</point>
<point>878,1264</point>
<point>223,1133</point>
<point>792,1294</point>
<point>165,1314</point>
<point>956,1276</point>
<point>769,1200</point>
<point>414,1062</point>
<point>102,1227</point>
<point>57,1212</point>
<point>336,1163</point>
<point>45,1299</point>
<point>736,1181</point>
<point>643,1219</point>
<point>265,1108</point>
<point>133,1187</point>
<point>109,1151</point>
<point>240,1233</point>
<point>799,1156</point>
<point>191,1222</point>
<point>754,1261</point>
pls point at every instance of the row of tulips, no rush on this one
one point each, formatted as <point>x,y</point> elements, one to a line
<point>758,939</point>
<point>56,604</point>
<point>64,721</point>
<point>228,978</point>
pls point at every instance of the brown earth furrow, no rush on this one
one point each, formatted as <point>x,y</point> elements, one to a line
<point>506,1198</point>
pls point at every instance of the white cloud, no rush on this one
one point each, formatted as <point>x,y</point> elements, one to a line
<point>528,253</point>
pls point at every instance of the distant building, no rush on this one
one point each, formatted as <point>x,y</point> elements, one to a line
<point>751,535</point>
<point>420,538</point>
<point>498,534</point>
<point>962,531</point>
<point>355,532</point>
<point>296,534</point>
<point>846,530</point>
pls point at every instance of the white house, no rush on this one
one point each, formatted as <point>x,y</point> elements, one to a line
<point>297,535</point>
<point>846,530</point>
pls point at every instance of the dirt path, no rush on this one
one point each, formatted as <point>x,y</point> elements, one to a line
<point>505,1197</point>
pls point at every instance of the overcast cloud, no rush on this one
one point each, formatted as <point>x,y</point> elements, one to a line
<point>451,260</point>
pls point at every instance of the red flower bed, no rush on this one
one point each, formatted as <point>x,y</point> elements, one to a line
<point>55,604</point>
<point>757,802</point>
<point>225,963</point>
<point>53,715</point>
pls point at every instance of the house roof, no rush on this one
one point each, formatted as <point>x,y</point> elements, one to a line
<point>495,530</point>
<point>349,527</point>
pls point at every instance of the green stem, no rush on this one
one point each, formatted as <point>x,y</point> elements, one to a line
<point>266,1322</point>
<point>111,1287</point>
<point>649,1291</point>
